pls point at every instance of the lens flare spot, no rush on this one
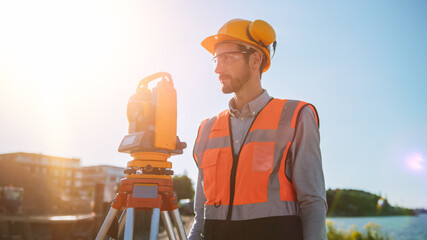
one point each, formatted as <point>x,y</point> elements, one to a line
<point>380,203</point>
<point>415,162</point>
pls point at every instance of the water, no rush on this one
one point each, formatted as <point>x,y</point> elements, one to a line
<point>399,227</point>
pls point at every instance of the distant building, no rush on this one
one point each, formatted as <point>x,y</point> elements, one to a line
<point>56,184</point>
<point>109,176</point>
<point>65,173</point>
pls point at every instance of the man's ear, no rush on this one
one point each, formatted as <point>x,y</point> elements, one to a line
<point>256,60</point>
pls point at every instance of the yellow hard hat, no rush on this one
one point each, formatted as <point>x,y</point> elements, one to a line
<point>257,33</point>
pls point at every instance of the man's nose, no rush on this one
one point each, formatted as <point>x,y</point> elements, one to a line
<point>219,68</point>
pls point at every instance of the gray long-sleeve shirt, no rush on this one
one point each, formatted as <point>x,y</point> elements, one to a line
<point>306,169</point>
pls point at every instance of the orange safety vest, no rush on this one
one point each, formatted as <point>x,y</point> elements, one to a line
<point>253,183</point>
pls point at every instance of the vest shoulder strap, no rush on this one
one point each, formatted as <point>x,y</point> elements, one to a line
<point>218,122</point>
<point>298,110</point>
<point>269,116</point>
<point>198,138</point>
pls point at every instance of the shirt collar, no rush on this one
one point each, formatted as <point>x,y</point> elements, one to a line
<point>250,109</point>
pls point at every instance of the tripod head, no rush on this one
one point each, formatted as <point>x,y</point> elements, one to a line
<point>152,136</point>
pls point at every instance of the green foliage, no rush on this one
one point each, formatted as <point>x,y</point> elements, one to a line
<point>371,231</point>
<point>183,187</point>
<point>347,202</point>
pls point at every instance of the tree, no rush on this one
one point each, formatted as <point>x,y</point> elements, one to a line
<point>350,202</point>
<point>183,187</point>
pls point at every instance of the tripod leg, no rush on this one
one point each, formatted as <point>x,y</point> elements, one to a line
<point>177,219</point>
<point>168,224</point>
<point>130,216</point>
<point>154,230</point>
<point>106,224</point>
<point>122,222</point>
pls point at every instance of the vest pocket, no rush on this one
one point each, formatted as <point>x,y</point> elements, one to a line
<point>216,170</point>
<point>263,156</point>
<point>209,173</point>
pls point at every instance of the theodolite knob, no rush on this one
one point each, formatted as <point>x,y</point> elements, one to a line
<point>181,145</point>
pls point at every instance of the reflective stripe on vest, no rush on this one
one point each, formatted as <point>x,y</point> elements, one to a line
<point>261,188</point>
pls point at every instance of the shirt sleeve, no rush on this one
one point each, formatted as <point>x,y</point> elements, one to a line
<point>308,176</point>
<point>199,208</point>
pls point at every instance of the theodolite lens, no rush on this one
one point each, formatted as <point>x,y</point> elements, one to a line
<point>135,111</point>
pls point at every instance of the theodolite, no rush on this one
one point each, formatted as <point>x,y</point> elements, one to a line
<point>148,184</point>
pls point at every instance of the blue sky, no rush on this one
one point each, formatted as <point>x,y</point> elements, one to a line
<point>67,70</point>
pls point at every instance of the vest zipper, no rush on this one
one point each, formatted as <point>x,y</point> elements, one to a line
<point>236,160</point>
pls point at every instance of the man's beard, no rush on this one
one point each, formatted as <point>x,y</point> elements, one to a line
<point>237,82</point>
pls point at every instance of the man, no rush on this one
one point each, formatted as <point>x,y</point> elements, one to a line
<point>260,169</point>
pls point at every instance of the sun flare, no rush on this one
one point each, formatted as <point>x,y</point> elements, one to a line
<point>415,161</point>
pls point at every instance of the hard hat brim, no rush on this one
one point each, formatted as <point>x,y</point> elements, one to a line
<point>210,43</point>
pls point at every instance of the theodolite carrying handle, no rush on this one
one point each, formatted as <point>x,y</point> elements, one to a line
<point>144,82</point>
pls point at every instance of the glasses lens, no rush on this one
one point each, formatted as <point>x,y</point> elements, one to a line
<point>215,61</point>
<point>224,58</point>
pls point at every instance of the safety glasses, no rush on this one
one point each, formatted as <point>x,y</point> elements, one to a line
<point>227,57</point>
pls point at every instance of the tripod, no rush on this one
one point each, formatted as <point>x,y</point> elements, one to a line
<point>144,192</point>
<point>151,141</point>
